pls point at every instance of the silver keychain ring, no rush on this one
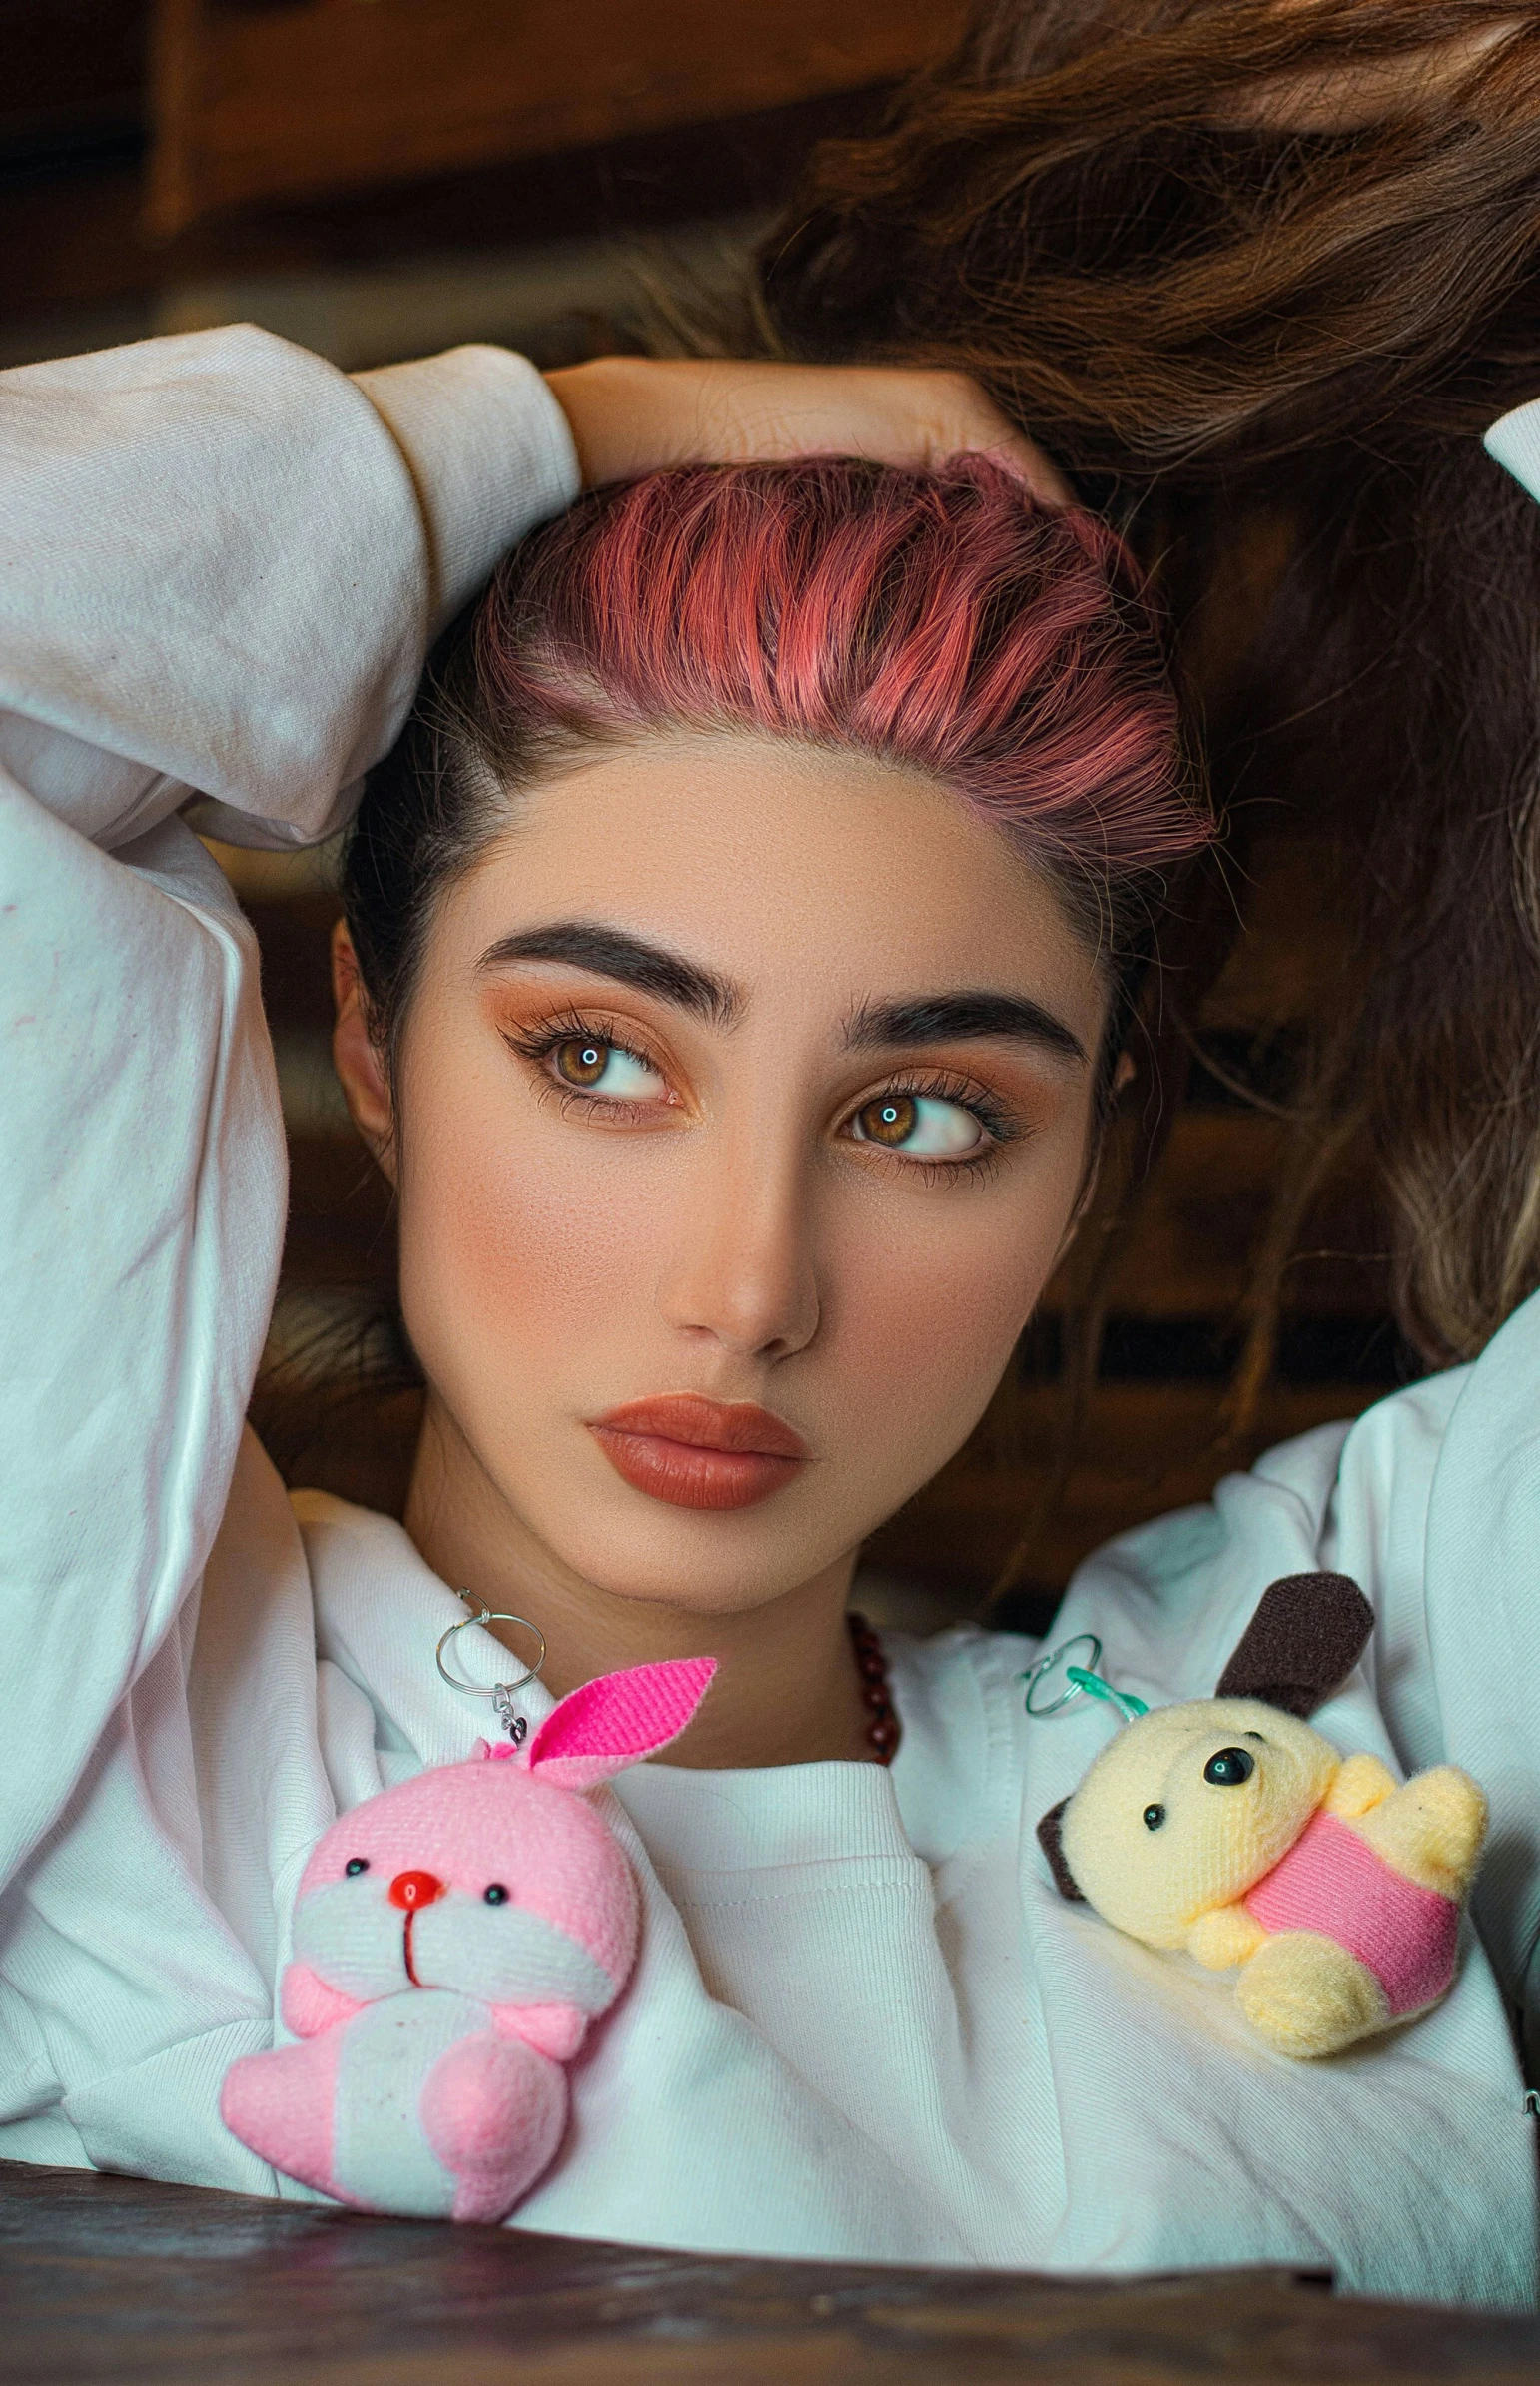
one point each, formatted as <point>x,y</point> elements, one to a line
<point>500,1692</point>
<point>1045,1665</point>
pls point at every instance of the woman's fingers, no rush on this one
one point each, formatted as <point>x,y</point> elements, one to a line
<point>633,415</point>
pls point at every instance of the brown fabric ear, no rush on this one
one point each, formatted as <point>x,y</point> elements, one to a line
<point>1303,1643</point>
<point>1048,1841</point>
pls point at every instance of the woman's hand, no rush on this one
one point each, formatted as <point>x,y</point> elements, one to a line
<point>633,415</point>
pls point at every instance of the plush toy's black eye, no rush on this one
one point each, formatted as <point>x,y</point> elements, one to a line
<point>496,1895</point>
<point>357,1863</point>
<point>1155,1816</point>
<point>1230,1768</point>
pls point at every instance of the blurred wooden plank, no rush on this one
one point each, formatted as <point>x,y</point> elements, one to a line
<point>73,72</point>
<point>76,241</point>
<point>255,102</point>
<point>342,1221</point>
<point>294,933</point>
<point>1202,1217</point>
<point>1146,1449</point>
<point>1288,965</point>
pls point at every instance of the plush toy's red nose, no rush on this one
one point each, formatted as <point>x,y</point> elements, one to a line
<point>412,1889</point>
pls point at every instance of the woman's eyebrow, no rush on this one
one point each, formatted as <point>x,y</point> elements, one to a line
<point>630,960</point>
<point>962,1017</point>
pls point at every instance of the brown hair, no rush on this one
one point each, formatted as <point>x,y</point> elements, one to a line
<point>1269,356</point>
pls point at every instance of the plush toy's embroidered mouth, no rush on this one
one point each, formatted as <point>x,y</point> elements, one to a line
<point>412,1892</point>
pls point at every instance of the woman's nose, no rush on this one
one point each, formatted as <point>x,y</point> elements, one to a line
<point>412,1889</point>
<point>745,1272</point>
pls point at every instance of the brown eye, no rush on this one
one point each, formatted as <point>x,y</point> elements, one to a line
<point>581,1060</point>
<point>921,1126</point>
<point>890,1120</point>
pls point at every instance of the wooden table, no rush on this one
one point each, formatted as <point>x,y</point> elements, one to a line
<point>108,2278</point>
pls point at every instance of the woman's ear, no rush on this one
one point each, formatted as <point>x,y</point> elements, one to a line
<point>358,1059</point>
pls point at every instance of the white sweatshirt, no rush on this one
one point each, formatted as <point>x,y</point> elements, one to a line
<point>864,2024</point>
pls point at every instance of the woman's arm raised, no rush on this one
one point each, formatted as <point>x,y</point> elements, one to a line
<point>218,570</point>
<point>219,567</point>
<point>633,415</point>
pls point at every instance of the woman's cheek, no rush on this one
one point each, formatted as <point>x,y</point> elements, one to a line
<point>521,1246</point>
<point>929,1310</point>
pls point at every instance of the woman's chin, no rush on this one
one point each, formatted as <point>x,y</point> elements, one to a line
<point>710,1561</point>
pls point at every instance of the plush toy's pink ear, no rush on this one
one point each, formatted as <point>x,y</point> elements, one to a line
<point>617,1719</point>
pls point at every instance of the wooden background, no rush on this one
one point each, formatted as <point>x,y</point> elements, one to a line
<point>238,148</point>
<point>415,86</point>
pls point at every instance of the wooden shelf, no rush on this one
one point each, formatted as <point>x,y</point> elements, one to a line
<point>255,102</point>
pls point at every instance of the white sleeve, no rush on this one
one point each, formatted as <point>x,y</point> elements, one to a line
<point>220,563</point>
<point>1515,443</point>
<point>1483,1635</point>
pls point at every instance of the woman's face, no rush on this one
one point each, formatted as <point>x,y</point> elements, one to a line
<point>749,1080</point>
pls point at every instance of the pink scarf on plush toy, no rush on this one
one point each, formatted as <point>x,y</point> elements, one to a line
<point>1333,1882</point>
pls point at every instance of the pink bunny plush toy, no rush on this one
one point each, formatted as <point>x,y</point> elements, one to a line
<point>453,1939</point>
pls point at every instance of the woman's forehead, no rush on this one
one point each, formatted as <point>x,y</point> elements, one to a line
<point>771,864</point>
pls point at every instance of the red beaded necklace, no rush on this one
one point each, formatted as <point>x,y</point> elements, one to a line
<point>882,1726</point>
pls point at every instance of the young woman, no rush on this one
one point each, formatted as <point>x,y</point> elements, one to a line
<point>737,945</point>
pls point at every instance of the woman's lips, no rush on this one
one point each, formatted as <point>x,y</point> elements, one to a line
<point>699,1453</point>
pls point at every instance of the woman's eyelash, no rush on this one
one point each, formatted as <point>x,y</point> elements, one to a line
<point>537,1044</point>
<point>569,1027</point>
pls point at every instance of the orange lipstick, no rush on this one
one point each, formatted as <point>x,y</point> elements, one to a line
<point>700,1454</point>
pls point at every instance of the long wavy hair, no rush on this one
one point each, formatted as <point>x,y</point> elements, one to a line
<point>1259,283</point>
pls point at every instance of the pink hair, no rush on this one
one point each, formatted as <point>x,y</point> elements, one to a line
<point>942,622</point>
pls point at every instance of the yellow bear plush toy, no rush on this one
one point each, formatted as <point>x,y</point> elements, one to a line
<point>1228,1827</point>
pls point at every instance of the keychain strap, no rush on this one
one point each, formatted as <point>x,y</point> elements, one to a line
<point>1084,1682</point>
